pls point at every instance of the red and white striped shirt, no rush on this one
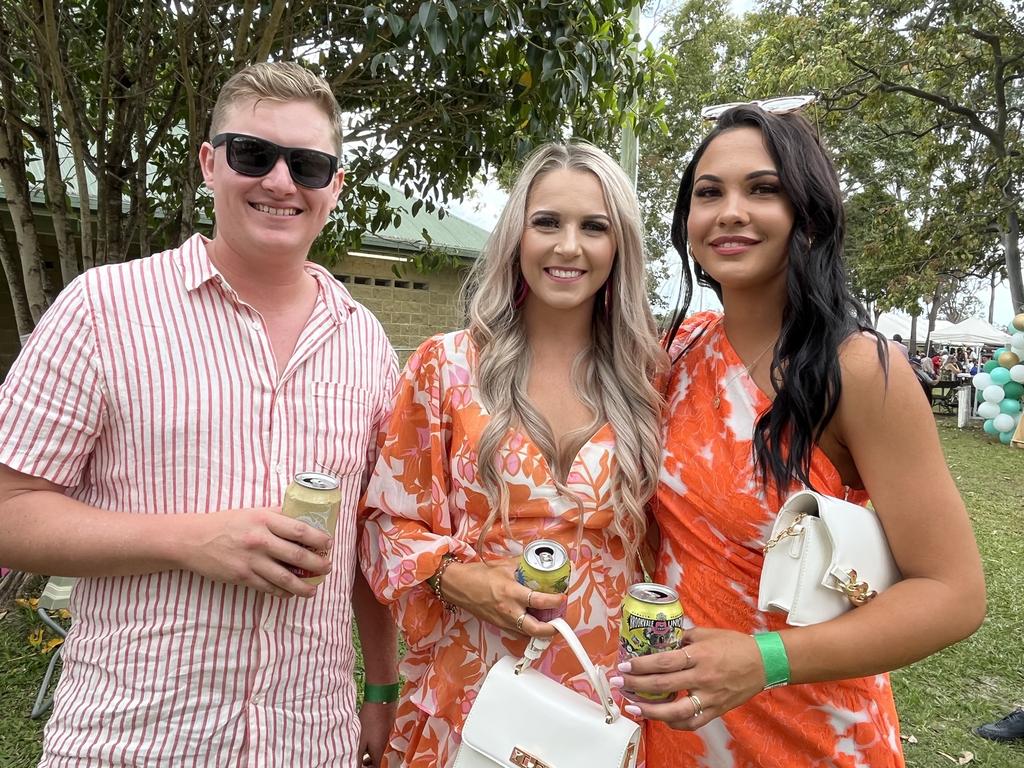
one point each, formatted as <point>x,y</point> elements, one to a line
<point>151,388</point>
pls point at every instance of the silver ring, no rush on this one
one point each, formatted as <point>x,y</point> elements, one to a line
<point>519,622</point>
<point>529,597</point>
<point>689,660</point>
<point>698,708</point>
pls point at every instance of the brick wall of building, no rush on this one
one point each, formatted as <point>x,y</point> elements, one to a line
<point>9,344</point>
<point>411,308</point>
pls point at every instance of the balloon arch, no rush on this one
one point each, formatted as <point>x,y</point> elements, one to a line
<point>1000,387</point>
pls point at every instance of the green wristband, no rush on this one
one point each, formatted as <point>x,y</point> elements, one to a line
<point>381,694</point>
<point>776,662</point>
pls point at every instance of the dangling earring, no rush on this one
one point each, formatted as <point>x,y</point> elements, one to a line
<point>607,299</point>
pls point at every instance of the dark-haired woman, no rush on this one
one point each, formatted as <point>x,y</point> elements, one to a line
<point>789,388</point>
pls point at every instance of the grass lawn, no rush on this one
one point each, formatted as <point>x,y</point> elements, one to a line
<point>940,699</point>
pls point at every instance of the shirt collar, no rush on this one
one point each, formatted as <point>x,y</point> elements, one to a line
<point>197,269</point>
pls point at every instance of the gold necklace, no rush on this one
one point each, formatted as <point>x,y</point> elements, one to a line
<point>717,399</point>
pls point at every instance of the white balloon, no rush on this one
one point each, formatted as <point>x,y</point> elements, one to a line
<point>1017,373</point>
<point>988,410</point>
<point>1003,422</point>
<point>981,380</point>
<point>1017,340</point>
<point>993,393</point>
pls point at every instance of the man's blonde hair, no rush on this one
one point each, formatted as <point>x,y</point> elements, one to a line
<point>277,81</point>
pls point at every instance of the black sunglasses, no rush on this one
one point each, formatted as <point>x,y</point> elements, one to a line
<point>252,156</point>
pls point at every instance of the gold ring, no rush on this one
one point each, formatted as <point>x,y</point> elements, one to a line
<point>698,708</point>
<point>529,597</point>
<point>689,661</point>
<point>519,622</point>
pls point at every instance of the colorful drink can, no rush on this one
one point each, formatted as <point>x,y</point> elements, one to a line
<point>545,567</point>
<point>652,622</point>
<point>313,498</point>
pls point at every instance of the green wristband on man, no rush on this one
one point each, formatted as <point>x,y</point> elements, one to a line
<point>776,662</point>
<point>381,694</point>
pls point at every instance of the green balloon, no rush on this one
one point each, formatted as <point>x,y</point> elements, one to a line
<point>990,366</point>
<point>998,352</point>
<point>989,427</point>
<point>1005,437</point>
<point>1013,390</point>
<point>1000,375</point>
<point>1010,406</point>
<point>979,396</point>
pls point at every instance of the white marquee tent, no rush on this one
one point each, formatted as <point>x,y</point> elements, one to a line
<point>891,323</point>
<point>972,333</point>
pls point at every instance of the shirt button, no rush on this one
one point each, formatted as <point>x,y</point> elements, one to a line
<point>256,325</point>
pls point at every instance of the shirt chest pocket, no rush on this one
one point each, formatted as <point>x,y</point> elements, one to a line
<point>340,423</point>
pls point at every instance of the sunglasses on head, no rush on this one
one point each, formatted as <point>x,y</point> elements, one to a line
<point>252,156</point>
<point>778,106</point>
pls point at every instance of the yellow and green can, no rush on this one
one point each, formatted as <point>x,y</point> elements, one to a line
<point>313,498</point>
<point>652,622</point>
<point>545,567</point>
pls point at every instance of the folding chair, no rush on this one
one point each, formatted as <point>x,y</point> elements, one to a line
<point>56,595</point>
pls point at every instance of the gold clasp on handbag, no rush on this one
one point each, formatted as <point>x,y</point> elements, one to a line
<point>525,759</point>
<point>793,529</point>
<point>857,592</point>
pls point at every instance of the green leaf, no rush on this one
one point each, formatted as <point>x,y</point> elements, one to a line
<point>437,38</point>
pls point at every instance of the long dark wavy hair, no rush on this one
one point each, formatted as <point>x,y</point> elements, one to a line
<point>820,311</point>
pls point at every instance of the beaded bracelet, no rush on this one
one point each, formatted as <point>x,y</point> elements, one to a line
<point>381,694</point>
<point>776,662</point>
<point>435,580</point>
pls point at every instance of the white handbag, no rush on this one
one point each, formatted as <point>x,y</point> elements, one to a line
<point>525,719</point>
<point>824,556</point>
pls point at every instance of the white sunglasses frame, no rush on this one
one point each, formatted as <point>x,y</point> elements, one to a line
<point>779,105</point>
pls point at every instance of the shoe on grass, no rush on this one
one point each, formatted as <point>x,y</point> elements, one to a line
<point>1009,728</point>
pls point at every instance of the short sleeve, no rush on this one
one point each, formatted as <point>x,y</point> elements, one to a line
<point>407,521</point>
<point>52,403</point>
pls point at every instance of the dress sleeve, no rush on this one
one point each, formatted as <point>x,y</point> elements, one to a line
<point>408,524</point>
<point>53,402</point>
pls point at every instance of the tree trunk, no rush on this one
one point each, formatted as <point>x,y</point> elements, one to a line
<point>16,286</point>
<point>56,191</point>
<point>991,297</point>
<point>1011,250</point>
<point>72,119</point>
<point>12,176</point>
<point>912,344</point>
<point>933,314</point>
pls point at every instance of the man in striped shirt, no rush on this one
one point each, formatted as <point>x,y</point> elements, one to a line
<point>147,434</point>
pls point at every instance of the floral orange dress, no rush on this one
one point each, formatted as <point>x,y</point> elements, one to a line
<point>424,500</point>
<point>714,518</point>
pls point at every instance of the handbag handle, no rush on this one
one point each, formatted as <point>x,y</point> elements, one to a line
<point>595,675</point>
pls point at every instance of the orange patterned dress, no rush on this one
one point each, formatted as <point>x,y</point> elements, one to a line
<point>424,500</point>
<point>714,518</point>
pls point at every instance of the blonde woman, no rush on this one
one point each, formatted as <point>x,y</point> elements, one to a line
<point>538,421</point>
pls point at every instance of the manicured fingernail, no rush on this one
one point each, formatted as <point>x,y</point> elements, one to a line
<point>626,667</point>
<point>631,709</point>
<point>616,681</point>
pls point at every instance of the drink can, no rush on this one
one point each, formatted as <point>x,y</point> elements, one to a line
<point>652,622</point>
<point>545,567</point>
<point>313,498</point>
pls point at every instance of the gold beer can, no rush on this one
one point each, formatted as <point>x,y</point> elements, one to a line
<point>652,622</point>
<point>313,498</point>
<point>545,567</point>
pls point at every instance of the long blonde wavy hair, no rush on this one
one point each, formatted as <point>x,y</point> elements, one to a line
<point>613,374</point>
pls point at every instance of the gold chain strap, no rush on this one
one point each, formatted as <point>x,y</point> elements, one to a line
<point>793,529</point>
